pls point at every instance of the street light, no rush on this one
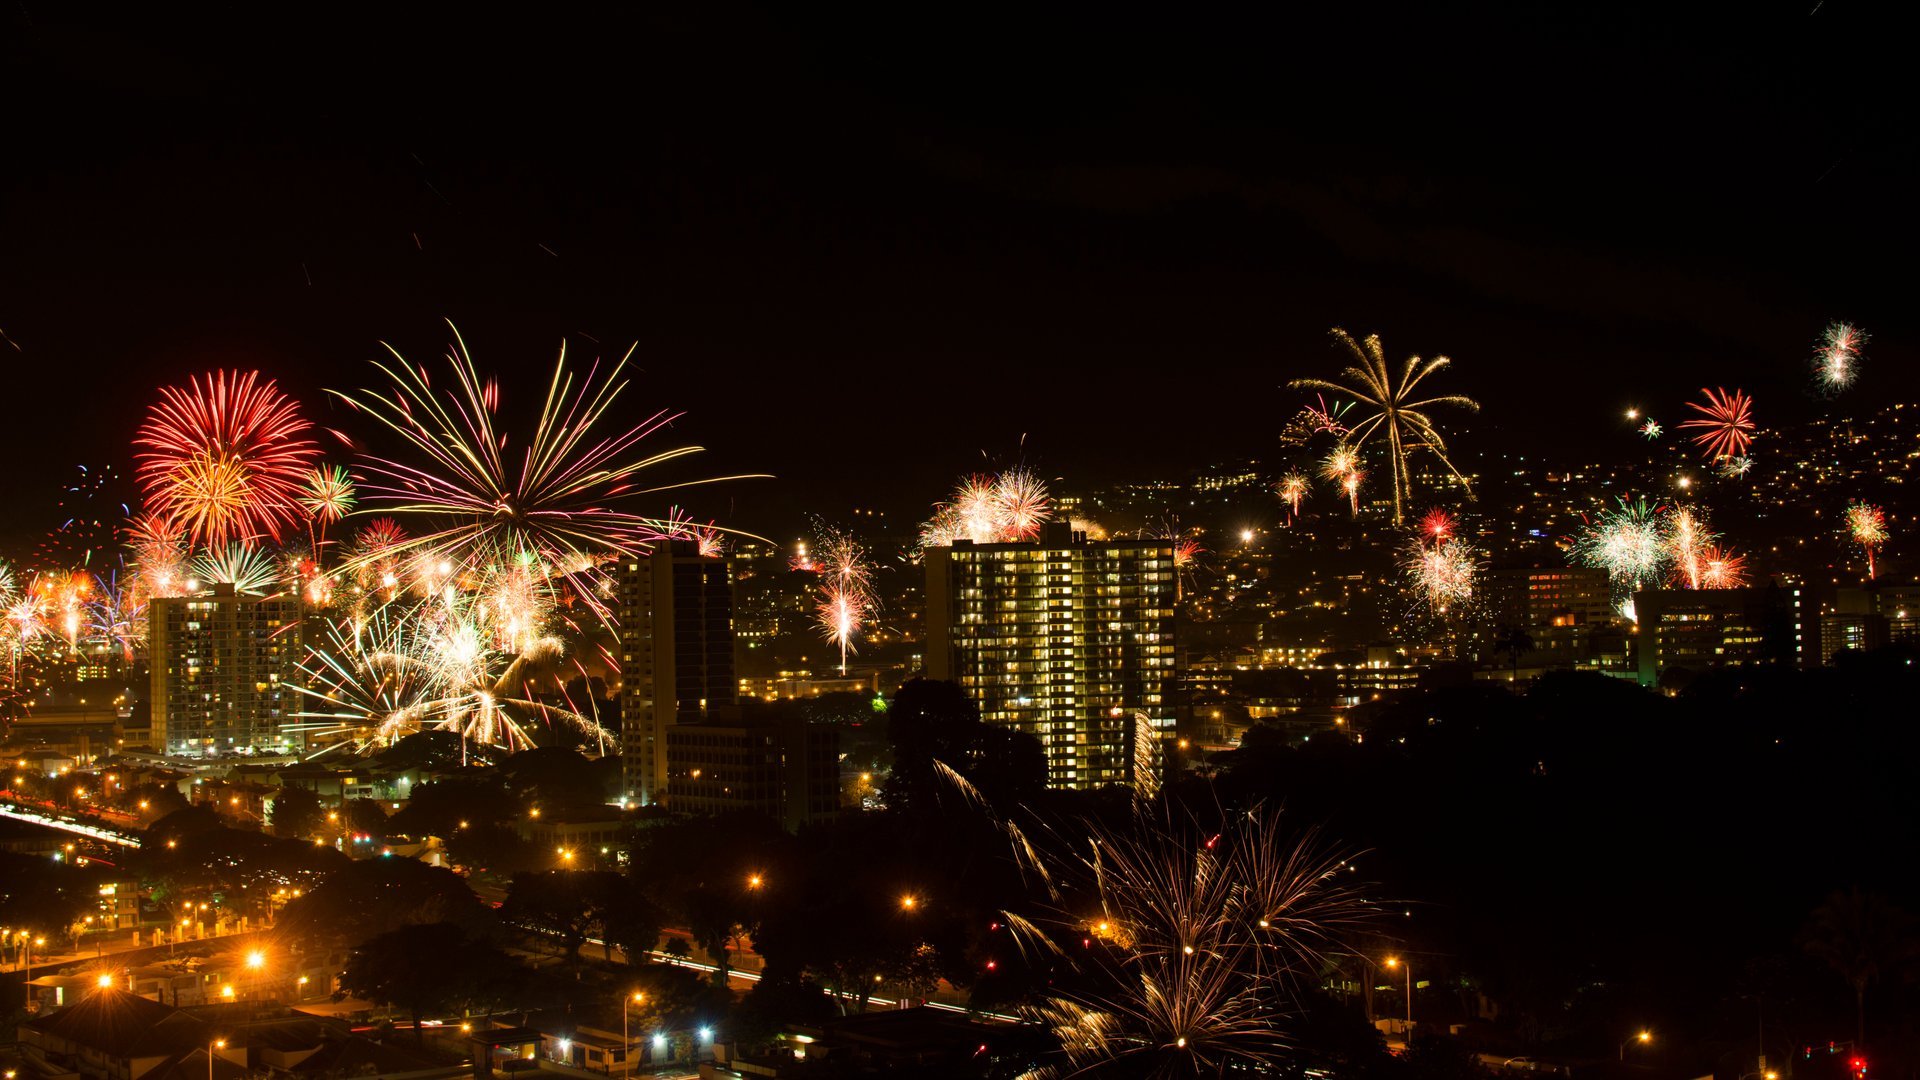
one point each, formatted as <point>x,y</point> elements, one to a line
<point>1394,962</point>
<point>753,881</point>
<point>626,1044</point>
<point>1643,1036</point>
<point>909,902</point>
<point>217,1044</point>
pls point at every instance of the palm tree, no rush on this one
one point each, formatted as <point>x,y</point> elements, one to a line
<point>1515,642</point>
<point>1862,936</point>
<point>1399,417</point>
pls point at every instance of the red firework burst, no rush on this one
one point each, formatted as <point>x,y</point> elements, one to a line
<point>225,459</point>
<point>1438,525</point>
<point>1726,422</point>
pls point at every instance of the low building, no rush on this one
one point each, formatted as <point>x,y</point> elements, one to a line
<point>784,768</point>
<point>1697,630</point>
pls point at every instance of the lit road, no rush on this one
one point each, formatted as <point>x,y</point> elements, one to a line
<point>53,820</point>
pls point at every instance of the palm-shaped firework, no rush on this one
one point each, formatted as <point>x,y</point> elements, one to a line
<point>1399,415</point>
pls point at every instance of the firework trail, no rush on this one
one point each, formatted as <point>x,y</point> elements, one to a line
<point>1629,543</point>
<point>1400,419</point>
<point>561,499</point>
<point>1726,423</point>
<point>1351,484</point>
<point>1867,526</point>
<point>225,459</point>
<point>1837,357</point>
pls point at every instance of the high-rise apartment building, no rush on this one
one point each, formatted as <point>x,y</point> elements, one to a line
<point>1068,640</point>
<point>224,668</point>
<point>675,608</point>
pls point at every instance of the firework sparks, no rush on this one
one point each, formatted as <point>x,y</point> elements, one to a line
<point>1733,468</point>
<point>1293,489</point>
<point>847,600</point>
<point>1351,485</point>
<point>1838,355</point>
<point>1688,541</point>
<point>1201,933</point>
<point>1651,430</point>
<point>1400,419</point>
<point>1867,526</point>
<point>1628,542</point>
<point>225,459</point>
<point>1726,423</point>
<point>329,494</point>
<point>1722,569</point>
<point>243,566</point>
<point>1321,417</point>
<point>1442,572</point>
<point>1008,508</point>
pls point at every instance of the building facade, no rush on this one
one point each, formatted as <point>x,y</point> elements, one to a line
<point>1068,640</point>
<point>676,655</point>
<point>786,769</point>
<point>1699,630</point>
<point>224,668</point>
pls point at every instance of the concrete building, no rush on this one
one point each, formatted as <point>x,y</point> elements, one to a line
<point>675,610</point>
<point>1068,640</point>
<point>784,768</point>
<point>224,664</point>
<point>1702,629</point>
<point>1559,607</point>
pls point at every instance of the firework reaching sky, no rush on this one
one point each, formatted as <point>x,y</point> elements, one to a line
<point>1725,424</point>
<point>1867,527</point>
<point>225,458</point>
<point>1399,416</point>
<point>1837,358</point>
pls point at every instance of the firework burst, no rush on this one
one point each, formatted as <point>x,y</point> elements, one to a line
<point>1628,542</point>
<point>225,459</point>
<point>563,498</point>
<point>329,494</point>
<point>1009,508</point>
<point>243,566</point>
<point>847,601</point>
<point>1722,569</point>
<point>1726,423</point>
<point>1400,417</point>
<point>1867,526</point>
<point>1184,943</point>
<point>1733,468</point>
<point>1651,430</point>
<point>1837,357</point>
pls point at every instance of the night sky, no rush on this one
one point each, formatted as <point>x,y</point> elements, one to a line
<point>861,248</point>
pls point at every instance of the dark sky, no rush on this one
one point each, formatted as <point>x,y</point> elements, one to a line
<point>861,247</point>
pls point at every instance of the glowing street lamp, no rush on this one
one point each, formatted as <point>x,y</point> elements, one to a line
<point>1643,1037</point>
<point>626,1004</point>
<point>1394,962</point>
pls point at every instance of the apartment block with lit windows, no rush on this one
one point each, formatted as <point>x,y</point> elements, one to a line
<point>1068,640</point>
<point>224,668</point>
